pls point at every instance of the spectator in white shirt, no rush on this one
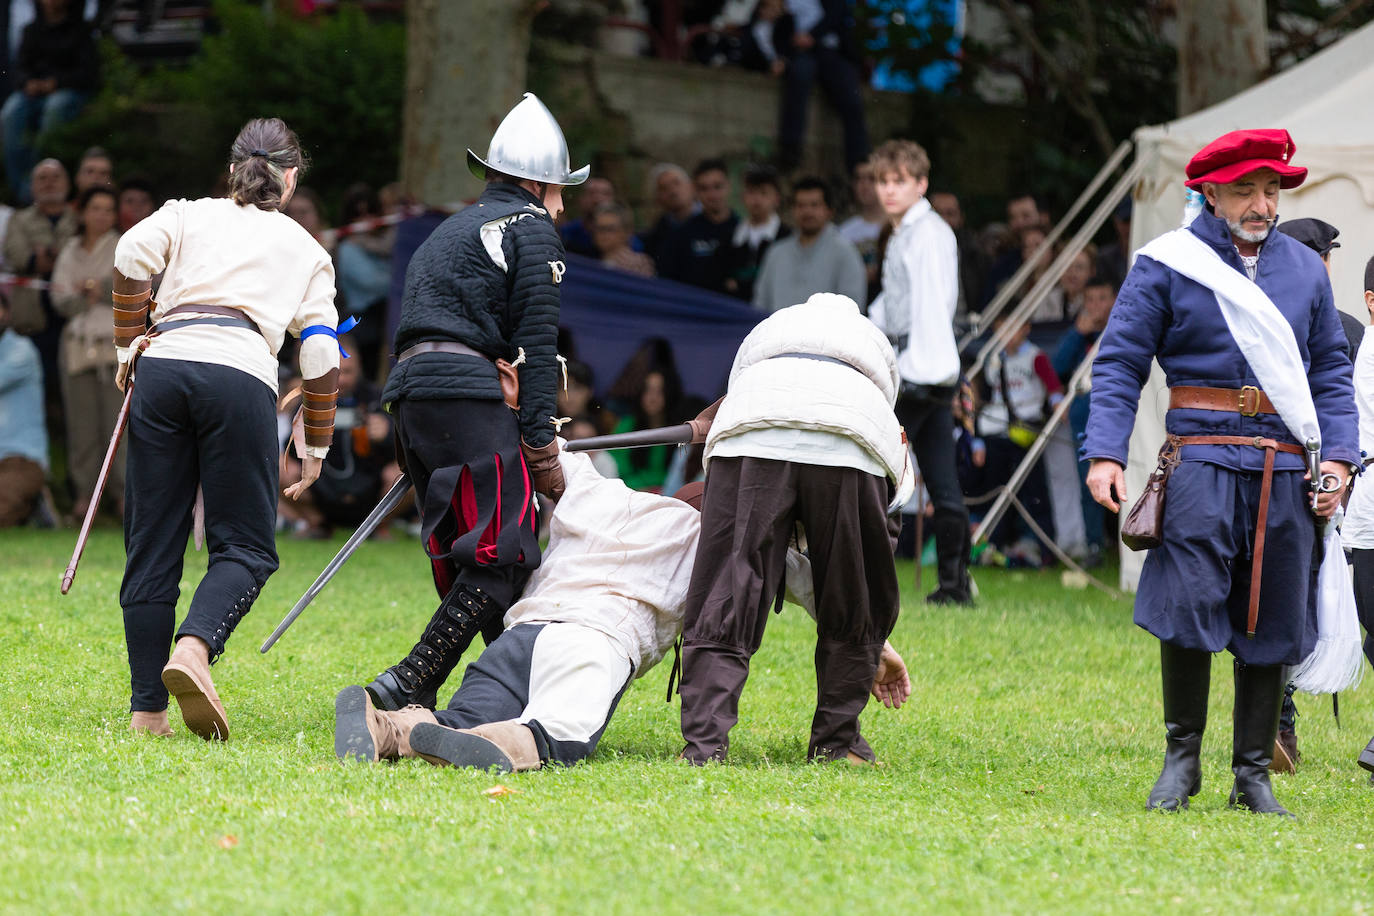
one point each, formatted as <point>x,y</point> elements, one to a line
<point>916,311</point>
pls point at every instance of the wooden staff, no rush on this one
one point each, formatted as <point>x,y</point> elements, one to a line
<point>120,422</point>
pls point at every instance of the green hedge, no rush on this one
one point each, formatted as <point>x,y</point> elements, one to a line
<point>337,80</point>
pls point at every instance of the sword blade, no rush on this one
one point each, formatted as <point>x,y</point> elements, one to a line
<point>392,498</point>
<point>639,438</point>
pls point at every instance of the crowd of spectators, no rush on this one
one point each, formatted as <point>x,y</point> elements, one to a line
<point>784,243</point>
<point>761,233</point>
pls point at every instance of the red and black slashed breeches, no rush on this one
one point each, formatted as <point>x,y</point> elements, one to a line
<point>477,505</point>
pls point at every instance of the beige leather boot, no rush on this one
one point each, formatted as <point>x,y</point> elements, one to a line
<point>364,733</point>
<point>154,723</point>
<point>187,677</point>
<point>504,747</point>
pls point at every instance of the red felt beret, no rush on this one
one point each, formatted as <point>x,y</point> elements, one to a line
<point>1243,151</point>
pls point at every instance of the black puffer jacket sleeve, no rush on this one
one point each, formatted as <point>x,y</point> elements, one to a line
<point>534,253</point>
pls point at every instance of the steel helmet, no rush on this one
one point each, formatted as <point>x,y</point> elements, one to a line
<point>528,143</point>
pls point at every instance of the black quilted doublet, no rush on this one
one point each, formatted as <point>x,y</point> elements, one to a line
<point>455,290</point>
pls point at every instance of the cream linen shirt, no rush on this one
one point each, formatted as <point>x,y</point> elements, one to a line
<point>214,252</point>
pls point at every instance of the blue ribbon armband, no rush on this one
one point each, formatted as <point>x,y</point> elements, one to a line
<point>348,325</point>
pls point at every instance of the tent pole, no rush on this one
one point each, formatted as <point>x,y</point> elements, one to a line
<point>1018,279</point>
<point>1056,270</point>
<point>1061,410</point>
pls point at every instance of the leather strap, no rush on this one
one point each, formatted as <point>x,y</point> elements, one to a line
<point>1270,446</point>
<point>223,311</point>
<point>1248,401</point>
<point>440,346</point>
<point>132,298</point>
<point>319,397</point>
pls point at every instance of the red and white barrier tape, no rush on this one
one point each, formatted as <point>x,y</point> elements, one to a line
<point>17,281</point>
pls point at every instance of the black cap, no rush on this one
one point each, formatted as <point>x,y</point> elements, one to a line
<point>1315,234</point>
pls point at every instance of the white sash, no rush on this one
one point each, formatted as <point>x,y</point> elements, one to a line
<point>1262,333</point>
<point>1267,341</point>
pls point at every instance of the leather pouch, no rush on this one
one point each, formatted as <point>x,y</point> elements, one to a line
<point>1143,527</point>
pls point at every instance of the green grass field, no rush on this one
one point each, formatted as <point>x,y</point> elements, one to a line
<point>1013,782</point>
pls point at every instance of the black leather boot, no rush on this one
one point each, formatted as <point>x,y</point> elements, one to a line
<point>1187,677</point>
<point>1367,759</point>
<point>1259,695</point>
<point>416,679</point>
<point>952,544</point>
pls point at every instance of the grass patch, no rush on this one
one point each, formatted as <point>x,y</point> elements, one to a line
<point>1014,781</point>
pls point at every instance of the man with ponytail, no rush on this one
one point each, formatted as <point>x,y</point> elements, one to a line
<point>238,276</point>
<point>481,297</point>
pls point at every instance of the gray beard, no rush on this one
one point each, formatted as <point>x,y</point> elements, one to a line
<point>1245,235</point>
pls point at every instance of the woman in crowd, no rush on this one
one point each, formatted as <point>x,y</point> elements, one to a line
<point>81,292</point>
<point>657,406</point>
<point>239,276</point>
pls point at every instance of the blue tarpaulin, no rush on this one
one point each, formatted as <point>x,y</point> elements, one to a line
<point>609,313</point>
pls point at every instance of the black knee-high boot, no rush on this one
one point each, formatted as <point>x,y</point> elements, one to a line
<point>415,680</point>
<point>1259,695</point>
<point>951,557</point>
<point>1186,676</point>
<point>1367,759</point>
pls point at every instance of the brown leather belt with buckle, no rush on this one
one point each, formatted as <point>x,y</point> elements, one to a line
<point>440,346</point>
<point>1270,446</point>
<point>1248,401</point>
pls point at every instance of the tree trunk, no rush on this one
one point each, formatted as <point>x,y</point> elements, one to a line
<point>1222,49</point>
<point>465,69</point>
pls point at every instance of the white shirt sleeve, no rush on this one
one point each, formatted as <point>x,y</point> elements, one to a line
<point>932,269</point>
<point>319,352</point>
<point>145,249</point>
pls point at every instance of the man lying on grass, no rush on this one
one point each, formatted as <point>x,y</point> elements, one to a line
<point>603,608</point>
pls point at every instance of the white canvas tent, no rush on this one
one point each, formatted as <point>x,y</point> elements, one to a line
<point>1326,103</point>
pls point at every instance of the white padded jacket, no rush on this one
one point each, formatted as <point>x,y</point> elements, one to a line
<point>818,366</point>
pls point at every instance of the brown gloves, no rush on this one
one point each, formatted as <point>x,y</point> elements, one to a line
<point>544,468</point>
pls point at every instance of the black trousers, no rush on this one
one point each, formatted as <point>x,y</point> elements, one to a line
<point>748,514</point>
<point>1364,597</point>
<point>477,504</point>
<point>194,424</point>
<point>929,425</point>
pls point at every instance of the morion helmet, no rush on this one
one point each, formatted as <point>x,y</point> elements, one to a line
<point>528,143</point>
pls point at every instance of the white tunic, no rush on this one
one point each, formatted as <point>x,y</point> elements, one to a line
<point>1358,530</point>
<point>215,252</point>
<point>619,561</point>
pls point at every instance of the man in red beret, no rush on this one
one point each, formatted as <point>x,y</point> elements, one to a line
<point>1236,568</point>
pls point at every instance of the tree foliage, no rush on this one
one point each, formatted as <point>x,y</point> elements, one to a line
<point>338,80</point>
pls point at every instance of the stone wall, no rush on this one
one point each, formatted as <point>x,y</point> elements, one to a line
<point>625,114</point>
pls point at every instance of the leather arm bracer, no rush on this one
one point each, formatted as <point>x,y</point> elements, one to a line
<point>320,397</point>
<point>131,301</point>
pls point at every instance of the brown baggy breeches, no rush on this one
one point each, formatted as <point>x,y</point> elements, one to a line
<point>748,516</point>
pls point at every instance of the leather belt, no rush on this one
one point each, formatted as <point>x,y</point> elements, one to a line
<point>226,316</point>
<point>440,346</point>
<point>1248,401</point>
<point>1270,446</point>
